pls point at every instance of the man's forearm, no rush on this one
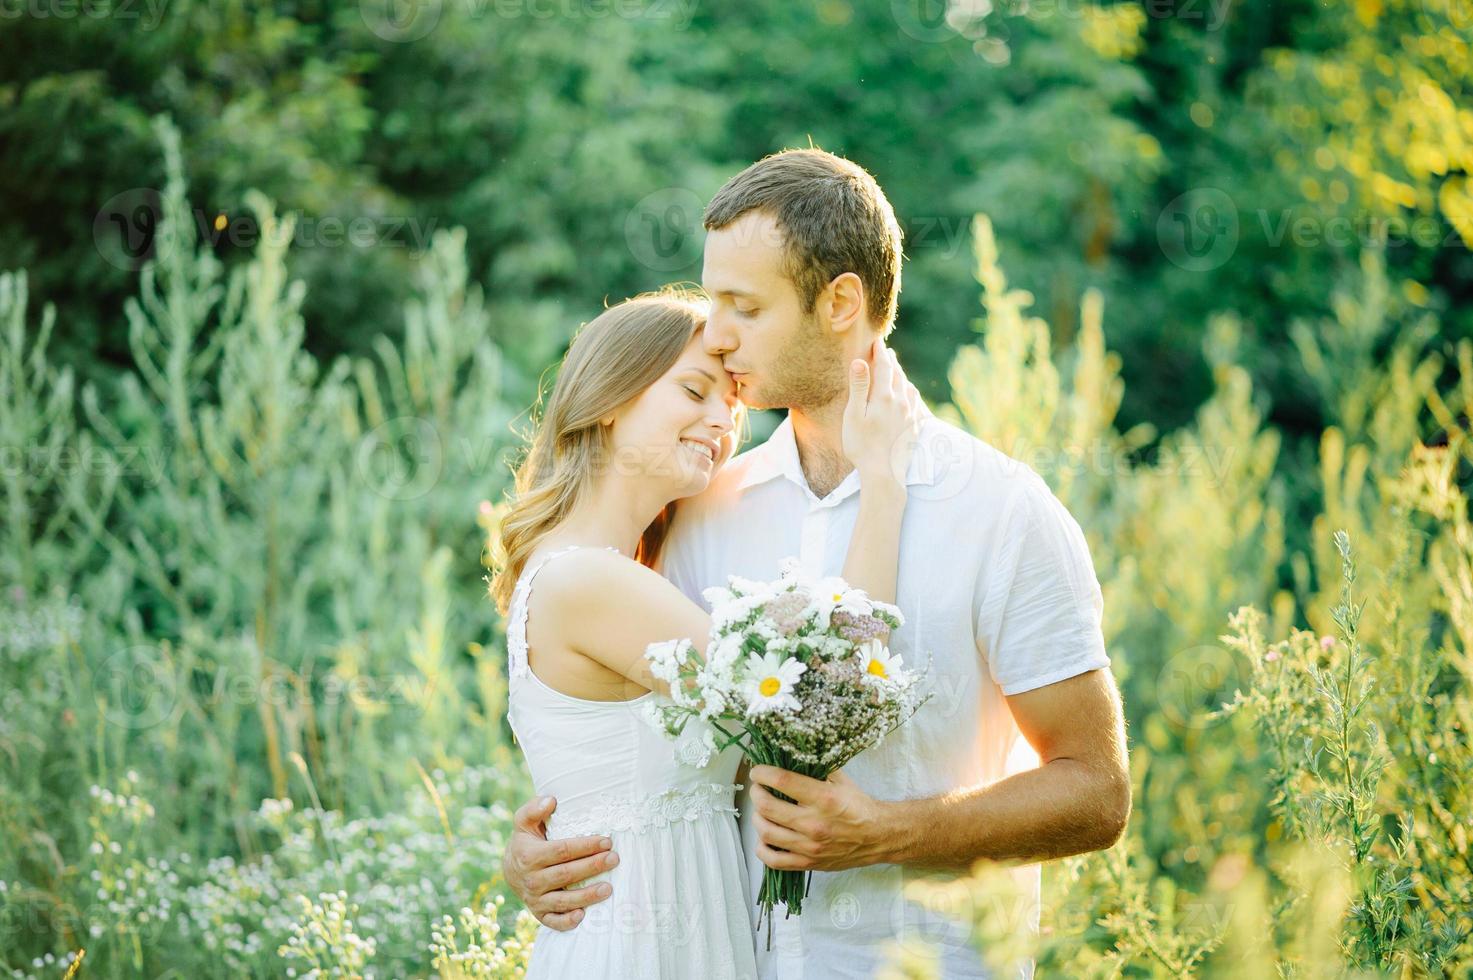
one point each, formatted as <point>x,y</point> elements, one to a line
<point>1062,808</point>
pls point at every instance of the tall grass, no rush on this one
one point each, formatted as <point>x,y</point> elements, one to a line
<point>241,584</point>
<point>1301,756</point>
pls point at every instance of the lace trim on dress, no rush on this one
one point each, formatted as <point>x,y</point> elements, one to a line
<point>650,813</point>
<point>516,612</point>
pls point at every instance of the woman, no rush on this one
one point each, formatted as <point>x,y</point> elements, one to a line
<point>641,417</point>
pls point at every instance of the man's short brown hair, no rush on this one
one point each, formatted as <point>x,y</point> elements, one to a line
<point>833,217</point>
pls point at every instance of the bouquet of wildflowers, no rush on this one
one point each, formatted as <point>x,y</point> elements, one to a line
<point>797,672</point>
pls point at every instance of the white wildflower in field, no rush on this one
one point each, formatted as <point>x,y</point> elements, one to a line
<point>486,955</point>
<point>324,937</point>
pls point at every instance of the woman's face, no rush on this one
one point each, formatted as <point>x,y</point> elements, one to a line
<point>679,430</point>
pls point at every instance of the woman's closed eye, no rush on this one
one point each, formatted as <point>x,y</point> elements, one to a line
<point>693,393</point>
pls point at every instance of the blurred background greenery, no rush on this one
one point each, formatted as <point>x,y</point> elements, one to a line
<point>298,269</point>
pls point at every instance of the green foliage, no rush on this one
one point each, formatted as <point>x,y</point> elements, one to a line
<point>233,575</point>
<point>1300,794</point>
<point>577,143</point>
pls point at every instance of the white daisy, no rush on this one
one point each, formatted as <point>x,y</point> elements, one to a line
<point>833,594</point>
<point>878,663</point>
<point>770,683</point>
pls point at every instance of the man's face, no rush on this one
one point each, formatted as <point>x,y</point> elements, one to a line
<point>779,355</point>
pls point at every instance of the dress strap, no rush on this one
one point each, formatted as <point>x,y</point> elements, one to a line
<point>516,610</point>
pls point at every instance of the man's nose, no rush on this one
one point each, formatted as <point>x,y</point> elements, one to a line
<point>717,338</point>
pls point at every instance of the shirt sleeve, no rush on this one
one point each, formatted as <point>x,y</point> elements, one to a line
<point>1038,622</point>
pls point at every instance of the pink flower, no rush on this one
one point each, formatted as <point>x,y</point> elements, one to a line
<point>857,629</point>
<point>1271,656</point>
<point>786,611</point>
<point>1326,642</point>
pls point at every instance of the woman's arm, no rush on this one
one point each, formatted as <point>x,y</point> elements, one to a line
<point>610,609</point>
<point>880,426</point>
<point>874,547</point>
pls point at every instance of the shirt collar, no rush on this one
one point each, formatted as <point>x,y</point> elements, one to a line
<point>778,456</point>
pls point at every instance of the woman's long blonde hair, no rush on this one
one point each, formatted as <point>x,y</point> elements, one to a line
<point>617,355</point>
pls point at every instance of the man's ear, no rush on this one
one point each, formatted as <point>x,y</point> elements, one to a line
<point>845,296</point>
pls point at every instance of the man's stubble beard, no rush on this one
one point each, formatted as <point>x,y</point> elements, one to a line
<point>812,379</point>
<point>808,377</point>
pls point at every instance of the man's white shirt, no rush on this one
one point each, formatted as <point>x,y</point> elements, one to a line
<point>999,597</point>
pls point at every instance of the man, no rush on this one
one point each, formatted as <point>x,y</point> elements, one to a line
<point>1002,606</point>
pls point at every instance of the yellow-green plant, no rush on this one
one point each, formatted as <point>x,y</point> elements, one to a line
<point>325,940</point>
<point>487,955</point>
<point>1301,803</point>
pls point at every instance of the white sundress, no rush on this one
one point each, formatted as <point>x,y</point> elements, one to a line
<point>681,903</point>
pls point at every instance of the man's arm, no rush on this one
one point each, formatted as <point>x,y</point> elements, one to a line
<point>539,871</point>
<point>1078,799</point>
<point>1038,613</point>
